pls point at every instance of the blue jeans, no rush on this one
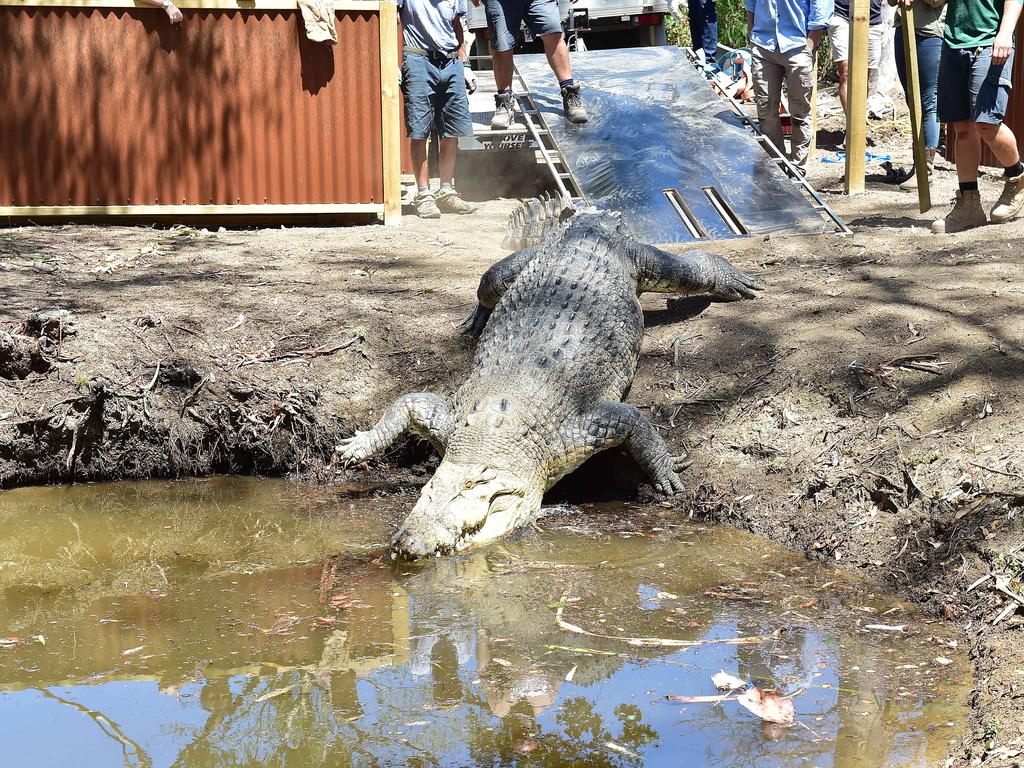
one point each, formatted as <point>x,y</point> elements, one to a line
<point>929,51</point>
<point>704,27</point>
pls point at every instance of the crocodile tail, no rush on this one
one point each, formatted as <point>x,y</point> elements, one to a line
<point>534,220</point>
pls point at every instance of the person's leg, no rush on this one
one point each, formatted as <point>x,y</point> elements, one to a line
<point>843,72</point>
<point>898,53</point>
<point>993,99</point>
<point>968,151</point>
<point>453,121</point>
<point>558,56</point>
<point>768,76</point>
<point>839,40</point>
<point>929,49</point>
<point>799,84</point>
<point>418,88</point>
<point>418,150</point>
<point>695,14</point>
<point>709,36</point>
<point>504,17</point>
<point>956,108</point>
<point>503,64</point>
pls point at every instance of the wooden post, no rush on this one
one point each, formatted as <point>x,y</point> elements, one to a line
<point>814,107</point>
<point>924,193</point>
<point>857,96</point>
<point>390,121</point>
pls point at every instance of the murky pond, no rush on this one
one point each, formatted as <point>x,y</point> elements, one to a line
<point>203,623</point>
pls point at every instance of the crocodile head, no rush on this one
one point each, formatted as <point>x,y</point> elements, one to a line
<point>466,504</point>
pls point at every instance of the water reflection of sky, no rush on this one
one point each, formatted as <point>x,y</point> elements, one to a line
<point>435,708</point>
<point>455,663</point>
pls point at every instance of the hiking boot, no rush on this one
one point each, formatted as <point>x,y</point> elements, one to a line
<point>504,111</point>
<point>967,213</point>
<point>911,181</point>
<point>426,206</point>
<point>449,201</point>
<point>1011,201</point>
<point>572,104</point>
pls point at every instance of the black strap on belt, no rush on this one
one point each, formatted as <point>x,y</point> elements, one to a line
<point>432,55</point>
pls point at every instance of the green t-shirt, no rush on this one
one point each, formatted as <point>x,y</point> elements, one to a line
<point>973,23</point>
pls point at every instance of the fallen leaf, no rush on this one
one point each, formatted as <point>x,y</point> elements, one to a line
<point>130,651</point>
<point>620,749</point>
<point>274,694</point>
<point>725,682</point>
<point>886,627</point>
<point>768,706</point>
<point>943,661</point>
<point>501,662</point>
<point>571,674</point>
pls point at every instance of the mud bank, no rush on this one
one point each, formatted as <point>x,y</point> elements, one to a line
<point>867,410</point>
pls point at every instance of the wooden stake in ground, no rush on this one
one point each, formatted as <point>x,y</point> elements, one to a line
<point>857,96</point>
<point>814,106</point>
<point>390,119</point>
<point>924,194</point>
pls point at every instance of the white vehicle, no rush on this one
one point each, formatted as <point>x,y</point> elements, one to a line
<point>594,24</point>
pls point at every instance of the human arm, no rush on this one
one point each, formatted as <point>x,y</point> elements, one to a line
<point>1002,46</point>
<point>173,12</point>
<point>818,17</point>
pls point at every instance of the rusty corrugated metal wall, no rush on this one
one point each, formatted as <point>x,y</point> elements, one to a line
<point>117,107</point>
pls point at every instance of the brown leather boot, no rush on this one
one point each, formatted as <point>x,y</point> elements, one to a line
<point>967,213</point>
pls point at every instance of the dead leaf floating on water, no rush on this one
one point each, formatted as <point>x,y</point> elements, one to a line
<point>769,706</point>
<point>274,694</point>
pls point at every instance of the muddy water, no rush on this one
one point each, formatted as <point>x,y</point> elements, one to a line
<point>197,624</point>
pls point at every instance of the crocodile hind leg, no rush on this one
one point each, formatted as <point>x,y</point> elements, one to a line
<point>493,285</point>
<point>423,413</point>
<point>691,273</point>
<point>611,424</point>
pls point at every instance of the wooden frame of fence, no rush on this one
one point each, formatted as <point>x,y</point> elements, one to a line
<point>332,146</point>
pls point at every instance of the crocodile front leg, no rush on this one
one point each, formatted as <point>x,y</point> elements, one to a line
<point>493,285</point>
<point>611,424</point>
<point>691,273</point>
<point>423,413</point>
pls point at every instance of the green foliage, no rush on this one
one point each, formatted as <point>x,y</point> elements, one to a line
<point>732,32</point>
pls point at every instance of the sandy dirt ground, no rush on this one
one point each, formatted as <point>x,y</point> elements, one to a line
<point>868,409</point>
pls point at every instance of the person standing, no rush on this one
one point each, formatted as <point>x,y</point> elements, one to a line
<point>973,94</point>
<point>542,17</point>
<point>929,19</point>
<point>784,36</point>
<point>434,86</point>
<point>703,19</point>
<point>839,38</point>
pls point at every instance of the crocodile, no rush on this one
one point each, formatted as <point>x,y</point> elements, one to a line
<point>559,324</point>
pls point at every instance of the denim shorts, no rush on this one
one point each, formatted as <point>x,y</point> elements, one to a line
<point>435,97</point>
<point>971,87</point>
<point>506,17</point>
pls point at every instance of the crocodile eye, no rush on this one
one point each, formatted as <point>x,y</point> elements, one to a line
<point>469,485</point>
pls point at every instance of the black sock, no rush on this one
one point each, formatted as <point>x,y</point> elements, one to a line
<point>966,186</point>
<point>566,83</point>
<point>1015,170</point>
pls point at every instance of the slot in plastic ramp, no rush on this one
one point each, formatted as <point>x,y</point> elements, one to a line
<point>663,149</point>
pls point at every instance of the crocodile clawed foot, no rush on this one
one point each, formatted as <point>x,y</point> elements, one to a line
<point>730,283</point>
<point>475,323</point>
<point>355,448</point>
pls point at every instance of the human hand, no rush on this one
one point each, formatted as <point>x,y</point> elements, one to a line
<point>470,79</point>
<point>173,13</point>
<point>1002,47</point>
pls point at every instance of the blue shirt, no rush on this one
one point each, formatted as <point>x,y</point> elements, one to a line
<point>430,24</point>
<point>782,25</point>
